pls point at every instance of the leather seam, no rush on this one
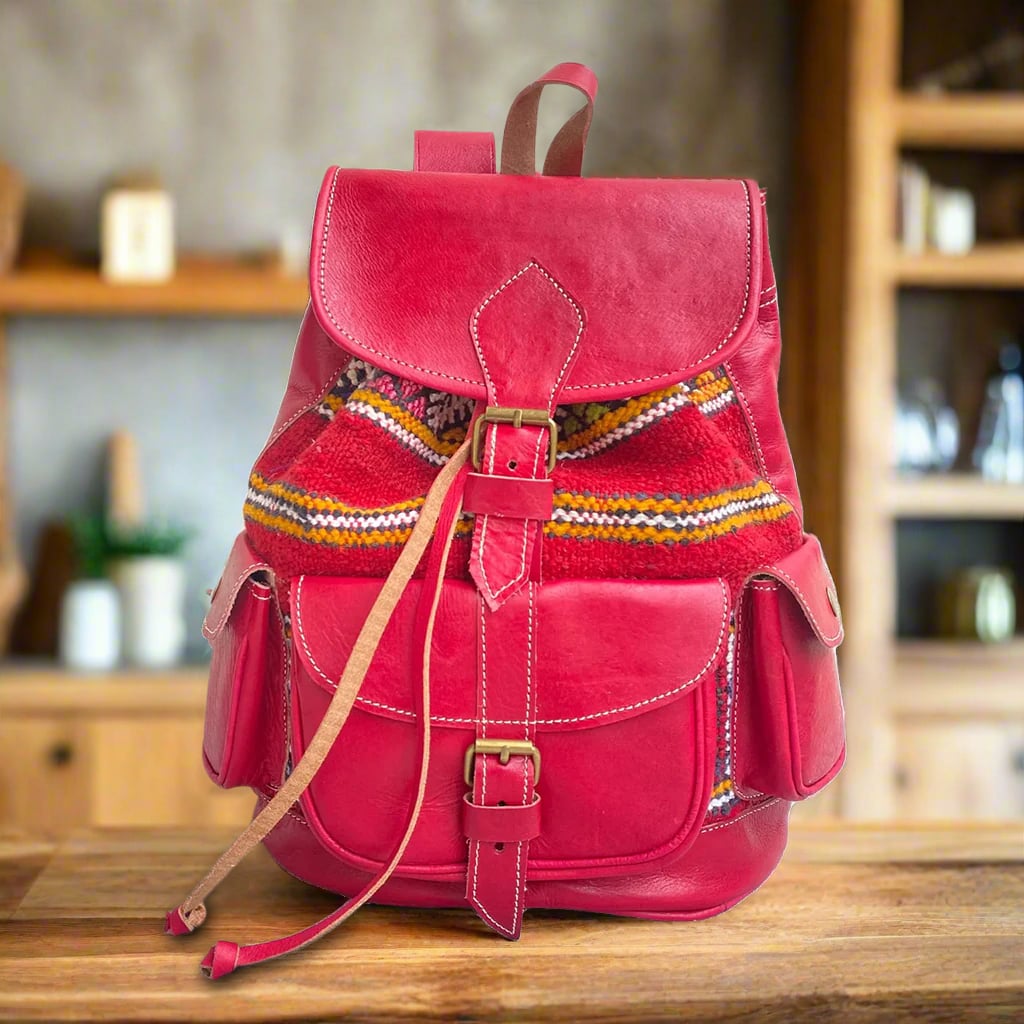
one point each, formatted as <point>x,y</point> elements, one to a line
<point>794,587</point>
<point>210,632</point>
<point>735,819</point>
<point>762,462</point>
<point>324,388</point>
<point>330,312</point>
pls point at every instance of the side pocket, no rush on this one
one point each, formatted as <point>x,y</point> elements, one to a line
<point>790,739</point>
<point>243,740</point>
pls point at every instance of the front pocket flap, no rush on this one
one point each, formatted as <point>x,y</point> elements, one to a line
<point>606,650</point>
<point>242,563</point>
<point>805,575</point>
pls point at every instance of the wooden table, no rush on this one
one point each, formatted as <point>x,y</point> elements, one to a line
<point>859,924</point>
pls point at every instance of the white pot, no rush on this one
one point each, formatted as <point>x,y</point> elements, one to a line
<point>90,626</point>
<point>153,608</point>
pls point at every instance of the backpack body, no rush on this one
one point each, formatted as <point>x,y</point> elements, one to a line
<point>613,669</point>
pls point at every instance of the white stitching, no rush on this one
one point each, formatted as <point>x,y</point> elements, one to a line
<point>751,422</point>
<point>739,817</point>
<point>527,524</point>
<point>737,660</point>
<point>474,330</point>
<point>330,312</point>
<point>568,387</point>
<point>537,721</point>
<point>324,388</point>
<point>769,302</point>
<point>799,594</point>
<point>724,341</point>
<point>211,632</point>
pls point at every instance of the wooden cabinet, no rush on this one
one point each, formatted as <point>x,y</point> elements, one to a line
<point>110,750</point>
<point>969,770</point>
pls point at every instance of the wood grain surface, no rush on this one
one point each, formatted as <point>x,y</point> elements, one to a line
<point>860,923</point>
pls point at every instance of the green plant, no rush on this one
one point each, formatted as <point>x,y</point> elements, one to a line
<point>149,539</point>
<point>99,542</point>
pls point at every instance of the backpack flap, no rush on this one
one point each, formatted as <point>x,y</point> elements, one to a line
<point>665,272</point>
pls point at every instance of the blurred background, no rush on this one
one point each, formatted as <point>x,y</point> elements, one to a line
<point>160,163</point>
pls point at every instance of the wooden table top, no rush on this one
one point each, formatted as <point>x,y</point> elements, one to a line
<point>859,923</point>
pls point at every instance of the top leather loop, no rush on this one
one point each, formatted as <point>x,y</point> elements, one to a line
<point>565,154</point>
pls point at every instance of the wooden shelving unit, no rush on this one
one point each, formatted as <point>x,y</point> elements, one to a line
<point>54,284</point>
<point>48,284</point>
<point>988,265</point>
<point>934,728</point>
<point>959,496</point>
<point>45,687</point>
<point>965,121</point>
<point>93,750</point>
<point>945,679</point>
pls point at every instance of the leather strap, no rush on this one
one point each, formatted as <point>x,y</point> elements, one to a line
<point>497,866</point>
<point>527,334</point>
<point>454,152</point>
<point>440,511</point>
<point>565,155</point>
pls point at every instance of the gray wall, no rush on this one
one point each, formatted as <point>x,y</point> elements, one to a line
<point>240,106</point>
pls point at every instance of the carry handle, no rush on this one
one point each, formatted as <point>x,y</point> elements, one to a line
<point>565,155</point>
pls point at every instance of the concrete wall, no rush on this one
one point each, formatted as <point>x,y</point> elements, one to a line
<point>240,105</point>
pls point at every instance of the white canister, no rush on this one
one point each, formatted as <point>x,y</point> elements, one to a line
<point>152,589</point>
<point>90,626</point>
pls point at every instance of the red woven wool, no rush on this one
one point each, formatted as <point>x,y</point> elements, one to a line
<point>686,458</point>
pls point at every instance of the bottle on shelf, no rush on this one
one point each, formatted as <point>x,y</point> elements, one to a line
<point>999,451</point>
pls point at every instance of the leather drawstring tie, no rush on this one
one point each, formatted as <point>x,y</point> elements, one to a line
<point>439,515</point>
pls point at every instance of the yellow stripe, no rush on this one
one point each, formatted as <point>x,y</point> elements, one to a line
<point>723,787</point>
<point>659,534</point>
<point>625,503</point>
<point>573,531</point>
<point>712,389</point>
<point>438,445</point>
<point>616,418</point>
<point>334,537</point>
<point>296,497</point>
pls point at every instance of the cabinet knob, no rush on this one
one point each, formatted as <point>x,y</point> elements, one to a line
<point>61,754</point>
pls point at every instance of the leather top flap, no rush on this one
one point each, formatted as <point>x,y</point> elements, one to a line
<point>663,273</point>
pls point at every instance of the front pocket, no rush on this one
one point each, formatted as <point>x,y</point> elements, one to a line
<point>624,713</point>
<point>789,711</point>
<point>243,736</point>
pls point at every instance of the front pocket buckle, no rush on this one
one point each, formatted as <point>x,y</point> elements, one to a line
<point>505,749</point>
<point>516,418</point>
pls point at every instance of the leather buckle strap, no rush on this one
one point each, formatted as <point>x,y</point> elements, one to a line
<point>505,749</point>
<point>516,418</point>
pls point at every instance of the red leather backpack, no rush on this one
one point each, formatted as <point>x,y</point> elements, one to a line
<point>523,614</point>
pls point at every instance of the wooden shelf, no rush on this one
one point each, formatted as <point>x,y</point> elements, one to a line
<point>29,687</point>
<point>965,121</point>
<point>987,265</point>
<point>959,679</point>
<point>955,496</point>
<point>47,284</point>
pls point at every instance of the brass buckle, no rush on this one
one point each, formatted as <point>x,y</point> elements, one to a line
<point>516,418</point>
<point>504,749</point>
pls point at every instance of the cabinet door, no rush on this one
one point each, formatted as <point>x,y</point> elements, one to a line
<point>960,770</point>
<point>44,774</point>
<point>147,770</point>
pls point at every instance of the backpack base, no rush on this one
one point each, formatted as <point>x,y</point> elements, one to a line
<point>726,863</point>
